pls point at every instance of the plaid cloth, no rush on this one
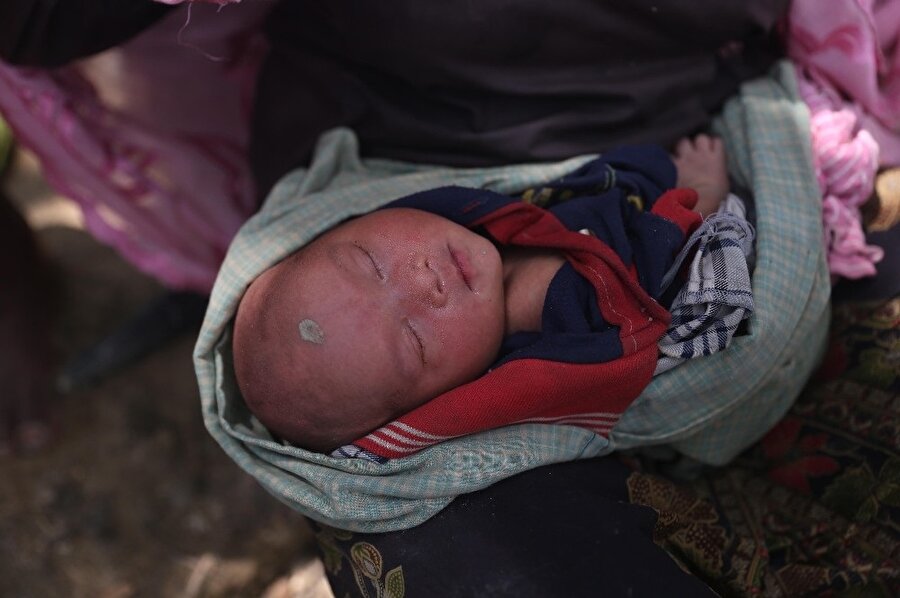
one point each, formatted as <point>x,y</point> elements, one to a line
<point>717,296</point>
<point>708,408</point>
<point>712,408</point>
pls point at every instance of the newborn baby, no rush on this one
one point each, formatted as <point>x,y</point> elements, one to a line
<point>391,309</point>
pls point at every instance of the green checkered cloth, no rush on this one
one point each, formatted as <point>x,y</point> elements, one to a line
<point>712,408</point>
<point>709,408</point>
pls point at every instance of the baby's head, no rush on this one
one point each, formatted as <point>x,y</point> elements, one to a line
<point>370,320</point>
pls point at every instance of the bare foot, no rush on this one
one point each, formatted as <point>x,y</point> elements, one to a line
<point>701,167</point>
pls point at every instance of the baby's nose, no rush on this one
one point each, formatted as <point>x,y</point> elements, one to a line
<point>426,283</point>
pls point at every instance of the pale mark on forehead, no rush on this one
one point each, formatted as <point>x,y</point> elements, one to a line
<point>311,332</point>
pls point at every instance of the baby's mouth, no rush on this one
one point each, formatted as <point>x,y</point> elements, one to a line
<point>461,261</point>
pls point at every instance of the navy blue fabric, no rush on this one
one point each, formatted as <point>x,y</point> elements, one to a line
<point>459,204</point>
<point>609,198</point>
<point>642,171</point>
<point>572,328</point>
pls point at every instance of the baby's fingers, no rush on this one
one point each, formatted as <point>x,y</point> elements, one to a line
<point>683,146</point>
<point>704,142</point>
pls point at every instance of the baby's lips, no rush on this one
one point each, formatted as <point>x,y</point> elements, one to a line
<point>463,266</point>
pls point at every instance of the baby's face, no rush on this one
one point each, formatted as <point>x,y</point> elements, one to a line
<point>393,309</point>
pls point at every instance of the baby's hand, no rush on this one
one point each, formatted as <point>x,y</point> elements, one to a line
<point>701,167</point>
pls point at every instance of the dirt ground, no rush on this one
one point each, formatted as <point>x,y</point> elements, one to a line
<point>133,498</point>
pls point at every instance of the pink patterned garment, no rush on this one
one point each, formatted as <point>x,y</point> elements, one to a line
<point>846,161</point>
<point>848,67</point>
<point>150,138</point>
<point>854,45</point>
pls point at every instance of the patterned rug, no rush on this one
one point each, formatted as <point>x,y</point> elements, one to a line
<point>814,507</point>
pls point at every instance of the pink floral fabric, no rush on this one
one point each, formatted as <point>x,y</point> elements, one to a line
<point>846,161</point>
<point>150,138</point>
<point>854,46</point>
<point>848,68</point>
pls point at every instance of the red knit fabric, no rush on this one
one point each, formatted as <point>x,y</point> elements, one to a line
<point>591,395</point>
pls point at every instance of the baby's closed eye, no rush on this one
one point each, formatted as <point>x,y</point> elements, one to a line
<point>375,265</point>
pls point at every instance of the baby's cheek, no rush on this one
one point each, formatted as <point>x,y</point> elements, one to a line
<point>474,345</point>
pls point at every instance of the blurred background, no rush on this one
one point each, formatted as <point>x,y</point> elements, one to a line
<point>132,497</point>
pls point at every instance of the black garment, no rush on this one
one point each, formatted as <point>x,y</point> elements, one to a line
<point>560,530</point>
<point>51,33</point>
<point>493,82</point>
<point>886,283</point>
<point>457,83</point>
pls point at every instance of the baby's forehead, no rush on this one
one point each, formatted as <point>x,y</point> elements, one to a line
<point>387,221</point>
<point>310,281</point>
